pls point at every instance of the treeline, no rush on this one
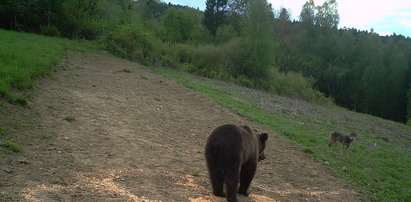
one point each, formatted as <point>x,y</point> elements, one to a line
<point>359,69</point>
<point>242,41</point>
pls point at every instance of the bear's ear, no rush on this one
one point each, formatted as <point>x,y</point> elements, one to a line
<point>263,137</point>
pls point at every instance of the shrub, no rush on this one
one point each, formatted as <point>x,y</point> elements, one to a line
<point>219,60</point>
<point>292,84</point>
<point>131,42</point>
<point>50,30</point>
<point>225,33</point>
<point>200,35</point>
<point>244,81</point>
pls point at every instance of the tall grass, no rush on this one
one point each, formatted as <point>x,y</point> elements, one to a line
<point>25,56</point>
<point>382,173</point>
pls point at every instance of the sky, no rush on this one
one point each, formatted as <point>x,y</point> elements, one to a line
<point>384,17</point>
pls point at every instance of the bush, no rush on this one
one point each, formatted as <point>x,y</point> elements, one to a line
<point>200,35</point>
<point>292,84</point>
<point>225,33</point>
<point>131,42</point>
<point>50,30</point>
<point>219,60</point>
<point>244,81</point>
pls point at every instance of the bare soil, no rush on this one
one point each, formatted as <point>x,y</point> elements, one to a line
<point>101,128</point>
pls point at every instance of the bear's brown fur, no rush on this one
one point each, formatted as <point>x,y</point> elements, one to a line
<point>232,153</point>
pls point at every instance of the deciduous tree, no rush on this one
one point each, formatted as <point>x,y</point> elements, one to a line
<point>214,14</point>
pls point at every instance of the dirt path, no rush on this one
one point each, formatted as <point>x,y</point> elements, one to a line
<point>136,136</point>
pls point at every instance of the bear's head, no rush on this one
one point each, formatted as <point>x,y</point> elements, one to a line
<point>262,138</point>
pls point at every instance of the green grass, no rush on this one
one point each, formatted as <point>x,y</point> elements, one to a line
<point>11,146</point>
<point>24,57</point>
<point>2,131</point>
<point>382,174</point>
<point>196,174</point>
<point>47,136</point>
<point>52,107</point>
<point>69,118</point>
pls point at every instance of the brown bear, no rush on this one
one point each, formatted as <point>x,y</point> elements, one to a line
<point>232,153</point>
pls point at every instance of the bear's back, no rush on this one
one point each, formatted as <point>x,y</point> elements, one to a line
<point>226,134</point>
<point>235,139</point>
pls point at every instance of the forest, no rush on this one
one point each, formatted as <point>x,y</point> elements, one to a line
<point>242,41</point>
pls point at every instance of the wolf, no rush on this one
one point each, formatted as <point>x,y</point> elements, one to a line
<point>345,140</point>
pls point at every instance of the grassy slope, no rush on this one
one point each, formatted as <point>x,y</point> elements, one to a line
<point>26,56</point>
<point>383,172</point>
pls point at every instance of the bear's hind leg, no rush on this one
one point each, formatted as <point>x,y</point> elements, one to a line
<point>231,181</point>
<point>246,176</point>
<point>217,181</point>
<point>232,185</point>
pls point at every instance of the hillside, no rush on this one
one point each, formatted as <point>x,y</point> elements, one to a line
<point>101,128</point>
